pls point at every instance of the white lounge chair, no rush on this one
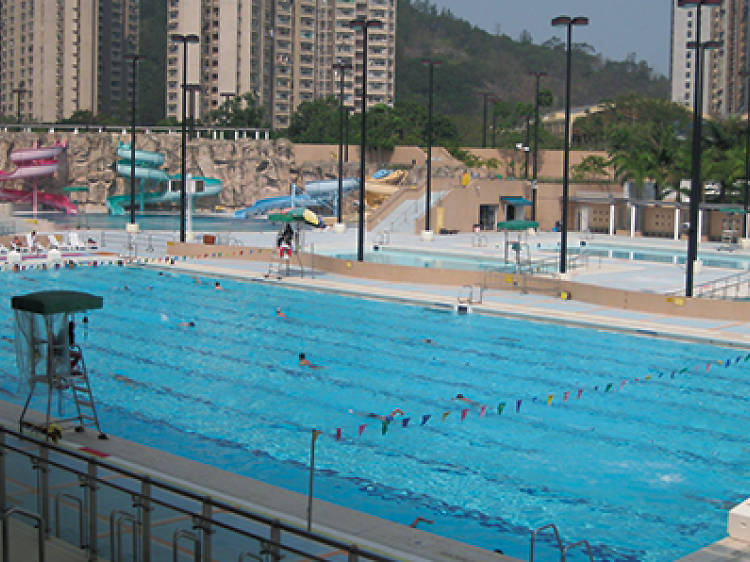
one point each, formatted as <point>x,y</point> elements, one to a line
<point>53,241</point>
<point>74,242</point>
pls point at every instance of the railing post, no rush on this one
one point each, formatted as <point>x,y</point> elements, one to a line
<point>206,528</point>
<point>92,506</point>
<point>145,517</point>
<point>275,541</point>
<point>44,487</point>
<point>2,470</point>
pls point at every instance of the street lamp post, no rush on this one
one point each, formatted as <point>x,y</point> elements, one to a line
<point>192,89</point>
<point>485,97</point>
<point>746,196</point>
<point>134,58</point>
<point>526,146</point>
<point>19,92</point>
<point>348,111</point>
<point>363,24</point>
<point>428,204</point>
<point>185,39</point>
<point>569,23</point>
<point>695,176</point>
<point>535,168</point>
<point>342,67</point>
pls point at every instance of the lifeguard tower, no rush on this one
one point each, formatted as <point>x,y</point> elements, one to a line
<point>47,354</point>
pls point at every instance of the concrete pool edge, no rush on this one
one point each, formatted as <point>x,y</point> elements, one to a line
<point>344,524</point>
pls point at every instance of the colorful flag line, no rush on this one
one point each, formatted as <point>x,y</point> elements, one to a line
<point>410,421</point>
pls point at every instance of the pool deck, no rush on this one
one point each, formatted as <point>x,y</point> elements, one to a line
<point>393,539</point>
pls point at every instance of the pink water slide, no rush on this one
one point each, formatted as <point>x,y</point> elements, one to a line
<point>31,164</point>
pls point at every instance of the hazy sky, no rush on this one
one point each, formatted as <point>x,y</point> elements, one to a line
<point>616,27</point>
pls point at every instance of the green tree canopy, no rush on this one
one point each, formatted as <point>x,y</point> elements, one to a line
<point>239,111</point>
<point>316,122</point>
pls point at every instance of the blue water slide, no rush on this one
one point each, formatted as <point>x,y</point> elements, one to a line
<point>270,203</point>
<point>330,187</point>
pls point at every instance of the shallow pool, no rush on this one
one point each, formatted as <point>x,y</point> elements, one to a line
<point>645,471</point>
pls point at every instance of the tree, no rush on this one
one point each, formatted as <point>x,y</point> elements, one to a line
<point>239,111</point>
<point>315,122</point>
<point>592,167</point>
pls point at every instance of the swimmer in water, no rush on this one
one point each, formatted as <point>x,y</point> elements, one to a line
<point>218,286</point>
<point>280,313</point>
<point>381,417</point>
<point>305,362</point>
<point>461,398</point>
<point>190,324</point>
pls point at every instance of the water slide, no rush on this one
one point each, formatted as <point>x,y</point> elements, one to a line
<point>31,164</point>
<point>148,169</point>
<point>315,192</point>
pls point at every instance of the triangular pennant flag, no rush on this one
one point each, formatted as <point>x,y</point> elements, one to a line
<point>727,363</point>
<point>622,384</point>
<point>405,422</point>
<point>647,377</point>
<point>636,379</point>
<point>445,415</point>
<point>596,388</point>
<point>483,411</point>
<point>566,395</point>
<point>501,407</point>
<point>549,399</point>
<point>425,418</point>
<point>362,428</point>
<point>464,412</point>
<point>580,393</point>
<point>684,370</point>
<point>719,362</point>
<point>384,429</point>
<point>518,406</point>
<point>609,387</point>
<point>338,434</point>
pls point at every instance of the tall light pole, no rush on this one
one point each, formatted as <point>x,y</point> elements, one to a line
<point>526,147</point>
<point>348,111</point>
<point>746,197</point>
<point>363,24</point>
<point>192,89</point>
<point>695,176</point>
<point>134,58</point>
<point>185,39</point>
<point>428,204</point>
<point>485,96</point>
<point>19,92</point>
<point>569,23</point>
<point>342,67</point>
<point>535,168</point>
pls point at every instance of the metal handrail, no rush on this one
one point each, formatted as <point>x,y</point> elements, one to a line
<point>115,534</point>
<point>6,535</point>
<point>90,480</point>
<point>75,128</point>
<point>81,522</point>
<point>571,546</point>
<point>535,532</point>
<point>192,537</point>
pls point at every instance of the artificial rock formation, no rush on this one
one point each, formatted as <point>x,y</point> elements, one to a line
<point>250,169</point>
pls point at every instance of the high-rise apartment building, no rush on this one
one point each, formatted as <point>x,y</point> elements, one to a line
<point>282,51</point>
<point>59,57</point>
<point>724,89</point>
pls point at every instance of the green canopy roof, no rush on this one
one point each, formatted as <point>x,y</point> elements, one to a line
<point>70,188</point>
<point>517,225</point>
<point>53,302</point>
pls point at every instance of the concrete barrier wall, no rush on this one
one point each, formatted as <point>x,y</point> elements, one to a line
<point>604,296</point>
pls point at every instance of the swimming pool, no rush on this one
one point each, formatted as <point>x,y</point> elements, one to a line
<point>644,472</point>
<point>661,255</point>
<point>438,260</point>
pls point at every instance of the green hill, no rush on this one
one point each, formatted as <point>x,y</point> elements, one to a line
<point>475,61</point>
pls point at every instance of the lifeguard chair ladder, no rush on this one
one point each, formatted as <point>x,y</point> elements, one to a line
<point>46,355</point>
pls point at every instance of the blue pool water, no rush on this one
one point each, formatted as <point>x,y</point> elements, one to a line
<point>725,259</point>
<point>437,260</point>
<point>646,472</point>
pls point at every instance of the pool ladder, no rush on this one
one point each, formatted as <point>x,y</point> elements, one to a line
<point>563,549</point>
